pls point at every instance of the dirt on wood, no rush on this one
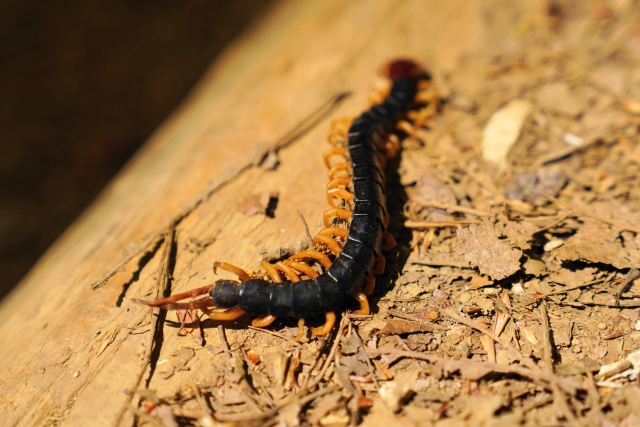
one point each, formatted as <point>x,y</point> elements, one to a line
<point>511,298</point>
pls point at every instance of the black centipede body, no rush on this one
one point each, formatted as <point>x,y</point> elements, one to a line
<point>344,279</point>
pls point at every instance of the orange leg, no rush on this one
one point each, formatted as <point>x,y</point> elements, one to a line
<point>232,314</point>
<point>301,267</point>
<point>177,297</point>
<point>291,274</point>
<point>390,242</point>
<point>338,167</point>
<point>232,268</point>
<point>364,304</point>
<point>391,145</point>
<point>340,213</point>
<point>406,127</point>
<point>387,219</point>
<point>371,284</point>
<point>310,253</point>
<point>328,324</point>
<point>271,271</point>
<point>333,245</point>
<point>263,322</point>
<point>335,231</point>
<point>343,180</point>
<point>341,193</point>
<point>378,269</point>
<point>333,151</point>
<point>300,330</point>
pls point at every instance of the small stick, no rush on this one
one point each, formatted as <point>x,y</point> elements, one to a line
<point>439,224</point>
<point>161,288</point>
<point>372,370</point>
<point>306,229</point>
<point>275,334</point>
<point>449,207</point>
<point>478,367</point>
<point>474,325</point>
<point>558,396</point>
<point>225,344</point>
<point>632,275</point>
<point>331,354</point>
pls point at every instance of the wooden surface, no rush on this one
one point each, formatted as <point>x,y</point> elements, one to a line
<point>69,351</point>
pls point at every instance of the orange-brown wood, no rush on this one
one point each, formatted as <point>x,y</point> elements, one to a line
<point>194,171</point>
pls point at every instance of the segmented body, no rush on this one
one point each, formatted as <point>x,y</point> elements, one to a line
<point>345,277</point>
<point>359,183</point>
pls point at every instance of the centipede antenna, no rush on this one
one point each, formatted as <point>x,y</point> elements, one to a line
<point>177,297</point>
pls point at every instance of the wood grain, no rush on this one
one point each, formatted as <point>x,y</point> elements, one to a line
<point>69,351</point>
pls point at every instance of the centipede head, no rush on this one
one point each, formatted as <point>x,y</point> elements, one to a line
<point>404,68</point>
<point>226,293</point>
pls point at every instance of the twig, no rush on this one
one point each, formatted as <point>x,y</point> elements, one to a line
<point>225,344</point>
<point>323,344</point>
<point>439,224</point>
<point>275,334</point>
<point>372,370</point>
<point>571,288</point>
<point>306,229</point>
<point>303,127</point>
<point>567,151</point>
<point>327,362</point>
<point>449,207</point>
<point>558,396</point>
<point>435,263</point>
<point>161,288</point>
<point>474,325</point>
<point>477,370</point>
<point>301,400</point>
<point>632,275</point>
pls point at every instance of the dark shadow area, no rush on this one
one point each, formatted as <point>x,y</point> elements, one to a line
<point>83,84</point>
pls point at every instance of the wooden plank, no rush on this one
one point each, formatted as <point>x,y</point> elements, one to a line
<point>69,351</point>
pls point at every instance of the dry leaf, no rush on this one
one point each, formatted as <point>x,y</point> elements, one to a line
<point>401,326</point>
<point>503,130</point>
<point>481,248</point>
<point>596,242</point>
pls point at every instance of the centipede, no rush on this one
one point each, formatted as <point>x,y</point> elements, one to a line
<point>340,269</point>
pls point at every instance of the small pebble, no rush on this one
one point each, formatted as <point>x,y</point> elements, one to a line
<point>76,374</point>
<point>637,326</point>
<point>602,326</point>
<point>553,244</point>
<point>394,394</point>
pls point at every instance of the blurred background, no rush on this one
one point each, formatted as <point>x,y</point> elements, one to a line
<point>82,85</point>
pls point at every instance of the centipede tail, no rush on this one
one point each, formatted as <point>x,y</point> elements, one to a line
<point>347,253</point>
